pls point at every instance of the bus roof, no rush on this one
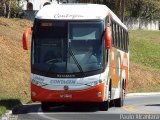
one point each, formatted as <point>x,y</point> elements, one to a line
<point>76,12</point>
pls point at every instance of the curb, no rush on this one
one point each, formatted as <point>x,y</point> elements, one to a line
<point>143,94</point>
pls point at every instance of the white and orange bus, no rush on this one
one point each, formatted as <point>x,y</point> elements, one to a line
<point>79,54</point>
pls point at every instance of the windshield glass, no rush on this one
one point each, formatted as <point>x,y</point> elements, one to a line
<point>67,47</point>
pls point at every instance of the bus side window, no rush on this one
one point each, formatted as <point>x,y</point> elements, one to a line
<point>125,40</point>
<point>119,35</point>
<point>116,32</point>
<point>114,29</point>
<point>107,21</point>
<point>113,34</point>
<point>121,39</point>
<point>122,35</point>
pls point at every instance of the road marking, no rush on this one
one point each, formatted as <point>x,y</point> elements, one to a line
<point>134,109</point>
<point>41,114</point>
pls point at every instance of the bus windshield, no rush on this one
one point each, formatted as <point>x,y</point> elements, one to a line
<point>67,46</point>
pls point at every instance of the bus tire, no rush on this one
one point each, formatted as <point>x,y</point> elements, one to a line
<point>104,106</point>
<point>120,101</point>
<point>45,106</point>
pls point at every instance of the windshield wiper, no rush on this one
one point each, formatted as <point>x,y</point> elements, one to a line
<point>75,60</point>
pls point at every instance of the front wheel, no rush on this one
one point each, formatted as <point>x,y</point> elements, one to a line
<point>104,106</point>
<point>120,101</point>
<point>45,106</point>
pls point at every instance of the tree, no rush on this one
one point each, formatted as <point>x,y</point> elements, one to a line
<point>117,6</point>
<point>148,9</point>
<point>10,8</point>
<point>120,8</point>
<point>110,4</point>
<point>3,8</point>
<point>143,8</point>
<point>16,9</point>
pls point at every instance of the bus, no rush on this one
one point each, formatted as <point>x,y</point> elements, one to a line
<point>79,54</point>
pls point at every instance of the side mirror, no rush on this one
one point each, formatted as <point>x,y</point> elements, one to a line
<point>25,38</point>
<point>108,38</point>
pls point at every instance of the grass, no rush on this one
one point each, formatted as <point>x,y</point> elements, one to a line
<point>144,61</point>
<point>143,79</point>
<point>2,110</point>
<point>8,104</point>
<point>15,65</point>
<point>145,48</point>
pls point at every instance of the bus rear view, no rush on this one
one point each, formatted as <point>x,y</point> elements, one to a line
<point>69,56</point>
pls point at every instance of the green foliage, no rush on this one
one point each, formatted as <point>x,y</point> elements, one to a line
<point>149,9</point>
<point>2,110</point>
<point>8,104</point>
<point>10,8</point>
<point>143,8</point>
<point>16,10</point>
<point>110,4</point>
<point>144,61</point>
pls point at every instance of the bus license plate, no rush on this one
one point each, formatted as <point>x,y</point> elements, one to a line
<point>66,96</point>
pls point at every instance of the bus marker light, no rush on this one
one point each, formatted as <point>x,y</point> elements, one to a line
<point>46,24</point>
<point>99,94</point>
<point>33,93</point>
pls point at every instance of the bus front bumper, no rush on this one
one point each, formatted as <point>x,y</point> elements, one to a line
<point>92,94</point>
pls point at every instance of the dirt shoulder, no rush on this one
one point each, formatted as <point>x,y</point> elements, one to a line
<point>143,79</point>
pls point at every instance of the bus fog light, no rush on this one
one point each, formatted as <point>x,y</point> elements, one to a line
<point>99,94</point>
<point>33,93</point>
<point>100,81</point>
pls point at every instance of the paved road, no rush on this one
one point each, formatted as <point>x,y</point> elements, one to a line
<point>148,104</point>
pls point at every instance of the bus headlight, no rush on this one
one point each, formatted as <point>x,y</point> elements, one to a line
<point>38,83</point>
<point>94,83</point>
